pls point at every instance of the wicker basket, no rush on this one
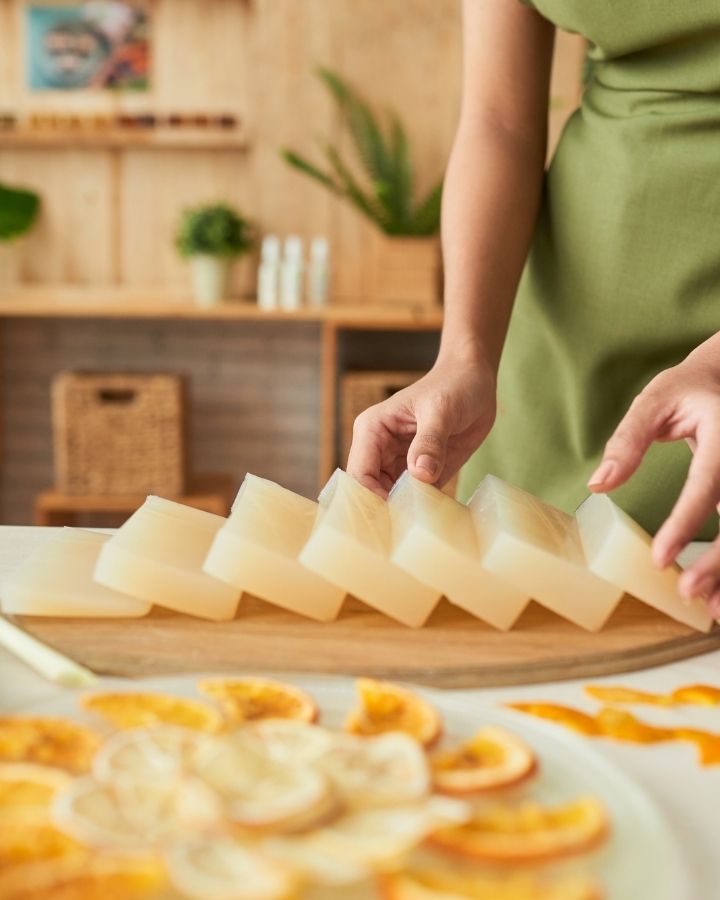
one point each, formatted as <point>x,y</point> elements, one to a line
<point>119,433</point>
<point>363,389</point>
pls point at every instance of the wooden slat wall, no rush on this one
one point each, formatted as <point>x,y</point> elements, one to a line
<point>246,415</point>
<point>109,216</point>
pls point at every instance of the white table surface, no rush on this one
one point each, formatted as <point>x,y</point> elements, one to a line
<point>686,792</point>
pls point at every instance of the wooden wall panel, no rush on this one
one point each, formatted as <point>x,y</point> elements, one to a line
<point>110,217</point>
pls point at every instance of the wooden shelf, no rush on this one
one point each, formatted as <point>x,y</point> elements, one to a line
<point>127,139</point>
<point>152,303</point>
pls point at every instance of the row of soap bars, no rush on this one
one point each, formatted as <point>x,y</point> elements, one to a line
<point>399,556</point>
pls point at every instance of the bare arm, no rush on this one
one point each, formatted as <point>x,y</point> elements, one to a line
<point>490,204</point>
<point>493,181</point>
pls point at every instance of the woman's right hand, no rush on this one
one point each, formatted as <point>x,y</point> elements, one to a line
<point>431,427</point>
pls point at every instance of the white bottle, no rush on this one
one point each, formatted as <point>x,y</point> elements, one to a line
<point>318,275</point>
<point>291,274</point>
<point>268,283</point>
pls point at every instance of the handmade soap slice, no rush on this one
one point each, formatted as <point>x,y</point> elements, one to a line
<point>57,580</point>
<point>618,549</point>
<point>537,548</point>
<point>434,539</point>
<point>257,550</point>
<point>350,546</point>
<point>157,556</point>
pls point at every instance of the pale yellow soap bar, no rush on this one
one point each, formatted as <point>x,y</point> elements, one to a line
<point>257,550</point>
<point>350,546</point>
<point>618,549</point>
<point>434,539</point>
<point>537,548</point>
<point>157,556</point>
<point>57,580</point>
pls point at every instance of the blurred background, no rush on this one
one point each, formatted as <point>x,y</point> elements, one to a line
<point>218,238</point>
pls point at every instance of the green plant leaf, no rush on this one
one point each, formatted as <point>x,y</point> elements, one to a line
<point>213,230</point>
<point>303,165</point>
<point>353,191</point>
<point>426,217</point>
<point>370,144</point>
<point>18,211</point>
<point>402,180</point>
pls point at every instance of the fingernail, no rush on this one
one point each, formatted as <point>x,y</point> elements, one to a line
<point>428,463</point>
<point>603,472</point>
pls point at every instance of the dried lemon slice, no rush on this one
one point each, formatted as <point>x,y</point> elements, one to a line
<point>260,792</point>
<point>293,742</point>
<point>157,751</point>
<point>368,840</point>
<point>388,707</point>
<point>493,758</point>
<point>27,790</point>
<point>250,699</point>
<point>223,869</point>
<point>439,885</point>
<point>378,771</point>
<point>84,878</point>
<point>50,742</point>
<point>130,816</point>
<point>134,710</point>
<point>527,833</point>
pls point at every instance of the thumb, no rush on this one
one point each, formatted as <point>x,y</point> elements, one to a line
<point>629,443</point>
<point>426,456</point>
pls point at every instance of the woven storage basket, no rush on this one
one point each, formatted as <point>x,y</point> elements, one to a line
<point>363,389</point>
<point>119,433</point>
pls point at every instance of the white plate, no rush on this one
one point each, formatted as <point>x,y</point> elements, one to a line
<point>642,859</point>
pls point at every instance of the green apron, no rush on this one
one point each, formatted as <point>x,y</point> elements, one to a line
<point>623,277</point>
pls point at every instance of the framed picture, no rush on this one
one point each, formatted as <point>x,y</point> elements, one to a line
<point>94,44</point>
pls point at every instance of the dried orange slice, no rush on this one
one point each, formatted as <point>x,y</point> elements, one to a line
<point>26,841</point>
<point>440,885</point>
<point>84,878</point>
<point>619,694</point>
<point>250,699</point>
<point>134,710</point>
<point>493,758</point>
<point>50,742</point>
<point>27,790</point>
<point>574,719</point>
<point>527,833</point>
<point>624,726</point>
<point>389,707</point>
<point>697,695</point>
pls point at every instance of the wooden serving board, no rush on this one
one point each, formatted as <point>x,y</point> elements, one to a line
<point>453,650</point>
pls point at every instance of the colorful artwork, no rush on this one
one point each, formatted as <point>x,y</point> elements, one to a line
<point>95,44</point>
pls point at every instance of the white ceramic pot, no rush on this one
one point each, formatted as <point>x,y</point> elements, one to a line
<point>210,279</point>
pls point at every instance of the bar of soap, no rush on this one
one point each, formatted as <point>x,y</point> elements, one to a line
<point>157,556</point>
<point>618,549</point>
<point>350,546</point>
<point>57,580</point>
<point>257,550</point>
<point>537,548</point>
<point>434,539</point>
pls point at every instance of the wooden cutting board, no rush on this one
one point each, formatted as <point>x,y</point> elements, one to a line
<point>453,650</point>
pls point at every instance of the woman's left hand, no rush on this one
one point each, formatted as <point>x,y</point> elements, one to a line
<point>679,403</point>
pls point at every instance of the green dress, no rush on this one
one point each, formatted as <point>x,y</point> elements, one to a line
<point>623,277</point>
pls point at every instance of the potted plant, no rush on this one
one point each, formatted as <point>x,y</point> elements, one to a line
<point>404,255</point>
<point>19,209</point>
<point>212,236</point>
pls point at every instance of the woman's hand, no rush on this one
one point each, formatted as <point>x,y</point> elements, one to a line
<point>430,428</point>
<point>682,402</point>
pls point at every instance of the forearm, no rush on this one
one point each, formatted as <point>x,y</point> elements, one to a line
<point>707,355</point>
<point>490,204</point>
